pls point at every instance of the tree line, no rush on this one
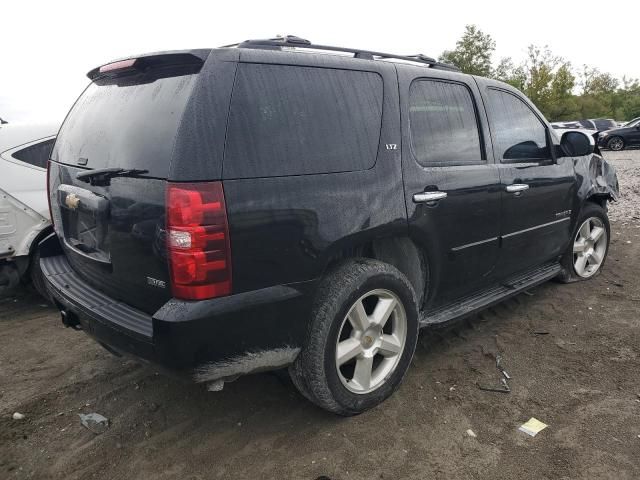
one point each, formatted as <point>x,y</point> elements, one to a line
<point>550,81</point>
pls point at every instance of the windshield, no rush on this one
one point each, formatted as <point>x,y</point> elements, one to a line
<point>633,123</point>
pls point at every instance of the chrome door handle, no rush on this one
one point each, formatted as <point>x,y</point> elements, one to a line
<point>517,187</point>
<point>424,197</point>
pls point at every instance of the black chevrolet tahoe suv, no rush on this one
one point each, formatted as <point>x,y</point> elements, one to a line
<point>277,204</point>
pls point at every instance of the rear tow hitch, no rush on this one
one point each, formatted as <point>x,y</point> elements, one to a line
<point>69,319</point>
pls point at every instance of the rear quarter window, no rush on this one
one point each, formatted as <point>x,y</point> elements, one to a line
<point>289,120</point>
<point>37,154</point>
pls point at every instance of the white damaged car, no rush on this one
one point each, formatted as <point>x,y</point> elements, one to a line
<point>24,211</point>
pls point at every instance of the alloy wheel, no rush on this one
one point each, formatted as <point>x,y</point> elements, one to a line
<point>589,247</point>
<point>371,341</point>
<point>616,144</point>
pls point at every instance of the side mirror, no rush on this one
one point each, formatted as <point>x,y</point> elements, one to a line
<point>577,144</point>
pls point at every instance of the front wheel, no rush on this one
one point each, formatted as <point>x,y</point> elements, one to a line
<point>590,244</point>
<point>361,338</point>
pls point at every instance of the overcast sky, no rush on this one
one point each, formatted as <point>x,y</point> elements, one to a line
<point>47,47</point>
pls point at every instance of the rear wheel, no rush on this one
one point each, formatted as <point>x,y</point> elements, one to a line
<point>589,246</point>
<point>361,338</point>
<point>616,144</point>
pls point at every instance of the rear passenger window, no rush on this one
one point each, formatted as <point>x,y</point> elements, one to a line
<point>518,133</point>
<point>443,124</point>
<point>37,154</point>
<point>288,120</point>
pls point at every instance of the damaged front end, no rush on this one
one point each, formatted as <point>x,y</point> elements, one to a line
<point>596,178</point>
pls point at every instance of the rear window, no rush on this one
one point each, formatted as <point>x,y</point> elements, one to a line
<point>288,120</point>
<point>36,154</point>
<point>125,124</point>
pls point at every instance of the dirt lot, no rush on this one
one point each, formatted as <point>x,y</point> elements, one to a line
<point>573,352</point>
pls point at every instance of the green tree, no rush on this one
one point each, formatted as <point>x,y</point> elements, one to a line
<point>599,96</point>
<point>562,103</point>
<point>545,78</point>
<point>549,80</point>
<point>473,52</point>
<point>594,82</point>
<point>508,72</point>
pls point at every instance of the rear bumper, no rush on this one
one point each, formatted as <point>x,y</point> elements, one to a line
<point>207,340</point>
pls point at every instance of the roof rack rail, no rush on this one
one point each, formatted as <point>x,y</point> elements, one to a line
<point>292,41</point>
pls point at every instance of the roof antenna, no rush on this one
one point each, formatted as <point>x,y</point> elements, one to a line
<point>3,121</point>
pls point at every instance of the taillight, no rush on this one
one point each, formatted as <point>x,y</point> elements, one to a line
<point>198,240</point>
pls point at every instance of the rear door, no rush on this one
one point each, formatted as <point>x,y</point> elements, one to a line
<point>451,185</point>
<point>112,228</point>
<point>537,189</point>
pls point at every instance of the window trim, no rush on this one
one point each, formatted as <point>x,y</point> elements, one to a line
<point>483,149</point>
<point>536,161</point>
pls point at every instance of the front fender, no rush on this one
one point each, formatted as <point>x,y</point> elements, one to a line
<point>596,178</point>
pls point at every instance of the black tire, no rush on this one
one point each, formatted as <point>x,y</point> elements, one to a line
<point>616,144</point>
<point>314,372</point>
<point>589,210</point>
<point>37,279</point>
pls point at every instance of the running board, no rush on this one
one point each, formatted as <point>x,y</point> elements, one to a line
<point>489,297</point>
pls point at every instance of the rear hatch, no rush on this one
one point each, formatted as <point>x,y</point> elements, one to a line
<point>109,170</point>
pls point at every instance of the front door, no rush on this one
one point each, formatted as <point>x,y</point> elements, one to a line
<point>537,189</point>
<point>633,135</point>
<point>451,187</point>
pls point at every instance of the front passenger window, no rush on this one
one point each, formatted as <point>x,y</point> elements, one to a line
<point>518,133</point>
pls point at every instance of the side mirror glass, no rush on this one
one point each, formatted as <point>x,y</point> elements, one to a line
<point>577,144</point>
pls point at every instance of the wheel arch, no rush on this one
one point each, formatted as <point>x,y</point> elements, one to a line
<point>39,237</point>
<point>399,251</point>
<point>600,199</point>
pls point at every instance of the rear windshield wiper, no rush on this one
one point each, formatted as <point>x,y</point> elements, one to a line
<point>102,176</point>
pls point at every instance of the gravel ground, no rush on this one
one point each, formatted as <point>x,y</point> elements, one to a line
<point>573,352</point>
<point>627,163</point>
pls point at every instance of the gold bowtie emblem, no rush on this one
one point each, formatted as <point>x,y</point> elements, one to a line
<point>72,201</point>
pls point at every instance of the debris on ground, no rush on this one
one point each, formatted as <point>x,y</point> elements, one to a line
<point>94,422</point>
<point>532,427</point>
<point>18,416</point>
<point>504,388</point>
<point>471,433</point>
<point>504,385</point>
